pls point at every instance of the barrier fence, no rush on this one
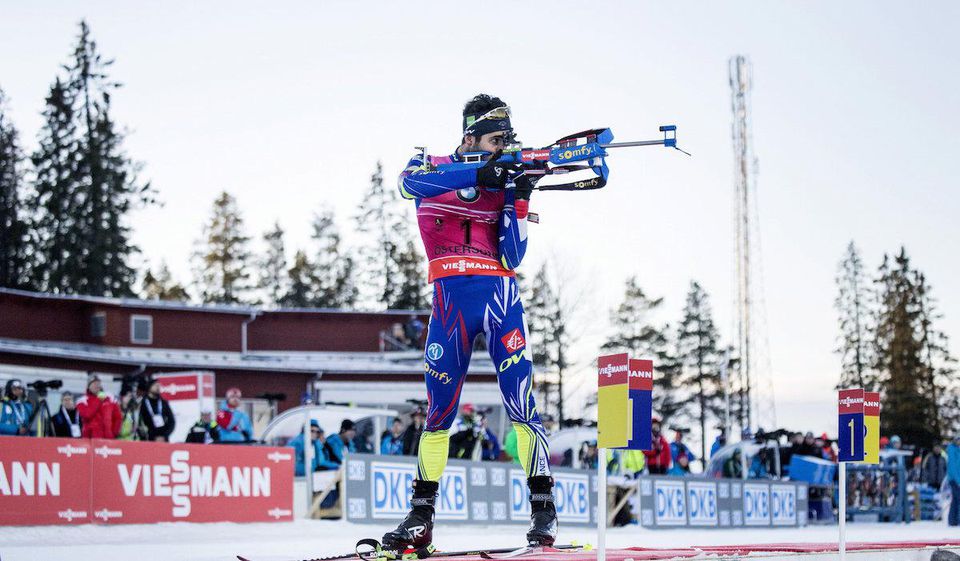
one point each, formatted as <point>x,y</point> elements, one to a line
<point>378,489</point>
<point>78,481</point>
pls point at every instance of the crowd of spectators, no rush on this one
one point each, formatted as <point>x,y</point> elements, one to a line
<point>139,412</point>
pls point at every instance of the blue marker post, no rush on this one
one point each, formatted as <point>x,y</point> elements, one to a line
<point>849,449</point>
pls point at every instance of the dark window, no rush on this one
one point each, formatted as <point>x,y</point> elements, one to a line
<point>98,324</point>
<point>141,329</point>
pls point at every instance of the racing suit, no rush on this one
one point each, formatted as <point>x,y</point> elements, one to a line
<point>474,238</point>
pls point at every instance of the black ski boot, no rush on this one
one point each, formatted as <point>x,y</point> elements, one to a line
<point>543,513</point>
<point>416,530</point>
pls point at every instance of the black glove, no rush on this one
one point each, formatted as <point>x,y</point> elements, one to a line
<point>495,174</point>
<point>525,185</point>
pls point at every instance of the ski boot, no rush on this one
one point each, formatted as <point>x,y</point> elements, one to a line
<point>416,531</point>
<point>543,513</point>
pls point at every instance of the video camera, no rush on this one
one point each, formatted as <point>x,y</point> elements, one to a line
<point>41,386</point>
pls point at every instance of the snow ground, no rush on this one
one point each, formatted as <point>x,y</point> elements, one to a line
<point>304,539</point>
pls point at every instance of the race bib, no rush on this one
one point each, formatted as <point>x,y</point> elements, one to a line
<point>157,421</point>
<point>75,431</point>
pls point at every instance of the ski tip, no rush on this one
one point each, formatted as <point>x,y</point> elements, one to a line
<point>242,558</point>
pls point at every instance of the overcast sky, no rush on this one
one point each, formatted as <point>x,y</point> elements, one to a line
<point>290,105</point>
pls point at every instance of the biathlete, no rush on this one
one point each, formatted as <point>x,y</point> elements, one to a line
<point>474,228</point>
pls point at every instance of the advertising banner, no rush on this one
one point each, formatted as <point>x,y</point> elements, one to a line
<point>189,394</point>
<point>44,481</point>
<point>140,482</point>
<point>70,481</point>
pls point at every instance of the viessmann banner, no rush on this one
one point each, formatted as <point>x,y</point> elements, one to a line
<point>74,481</point>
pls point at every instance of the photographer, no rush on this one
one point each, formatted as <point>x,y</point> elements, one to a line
<point>156,415</point>
<point>15,411</point>
<point>66,423</point>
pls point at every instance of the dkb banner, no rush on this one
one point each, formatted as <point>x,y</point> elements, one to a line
<point>378,488</point>
<point>666,502</point>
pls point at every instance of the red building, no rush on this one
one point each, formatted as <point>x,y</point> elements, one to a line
<point>333,355</point>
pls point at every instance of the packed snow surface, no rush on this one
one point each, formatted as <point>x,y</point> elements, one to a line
<point>304,539</point>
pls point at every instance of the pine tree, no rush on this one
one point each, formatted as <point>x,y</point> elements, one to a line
<point>300,291</point>
<point>273,266</point>
<point>56,193</point>
<point>852,305</point>
<point>162,286</point>
<point>938,379</point>
<point>388,254</point>
<point>379,250</point>
<point>13,229</point>
<point>550,307</point>
<point>634,332</point>
<point>699,359</point>
<point>411,293</point>
<point>333,269</point>
<point>222,259</point>
<point>88,252</point>
<point>908,410</point>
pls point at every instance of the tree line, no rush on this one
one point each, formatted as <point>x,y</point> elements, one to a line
<point>889,342</point>
<point>64,225</point>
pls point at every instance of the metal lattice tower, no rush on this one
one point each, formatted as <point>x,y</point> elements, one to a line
<point>740,84</point>
<point>753,376</point>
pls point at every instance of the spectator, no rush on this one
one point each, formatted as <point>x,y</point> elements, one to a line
<point>679,448</point>
<point>234,423</point>
<point>465,433</point>
<point>658,458</point>
<point>733,466</point>
<point>510,447</point>
<point>341,440</point>
<point>204,431</point>
<point>934,467</point>
<point>681,467</point>
<point>634,462</point>
<point>99,413</point>
<point>392,442</point>
<point>156,415</point>
<point>413,329</point>
<point>826,448</point>
<point>895,443</point>
<point>489,443</point>
<point>411,436</point>
<point>809,447</point>
<point>466,420</point>
<point>130,427</point>
<point>66,423</point>
<point>719,442</point>
<point>589,455</point>
<point>16,410</point>
<point>953,477</point>
<point>321,461</point>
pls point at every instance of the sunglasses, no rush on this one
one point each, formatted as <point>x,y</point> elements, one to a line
<point>498,113</point>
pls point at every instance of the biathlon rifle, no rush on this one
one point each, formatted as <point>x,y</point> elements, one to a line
<point>576,162</point>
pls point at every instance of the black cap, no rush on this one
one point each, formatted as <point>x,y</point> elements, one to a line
<point>347,424</point>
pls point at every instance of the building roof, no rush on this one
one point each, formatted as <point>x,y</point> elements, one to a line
<point>405,362</point>
<point>188,306</point>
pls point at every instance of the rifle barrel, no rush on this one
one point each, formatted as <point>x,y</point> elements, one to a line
<point>634,143</point>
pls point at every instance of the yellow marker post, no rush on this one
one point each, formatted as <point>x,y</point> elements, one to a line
<point>613,401</point>
<point>871,427</point>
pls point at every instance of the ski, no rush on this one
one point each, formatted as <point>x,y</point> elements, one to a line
<point>377,553</point>
<point>527,549</point>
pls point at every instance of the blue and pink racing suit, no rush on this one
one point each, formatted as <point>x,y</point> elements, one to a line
<point>474,238</point>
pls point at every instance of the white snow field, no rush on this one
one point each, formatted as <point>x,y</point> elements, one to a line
<point>304,539</point>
